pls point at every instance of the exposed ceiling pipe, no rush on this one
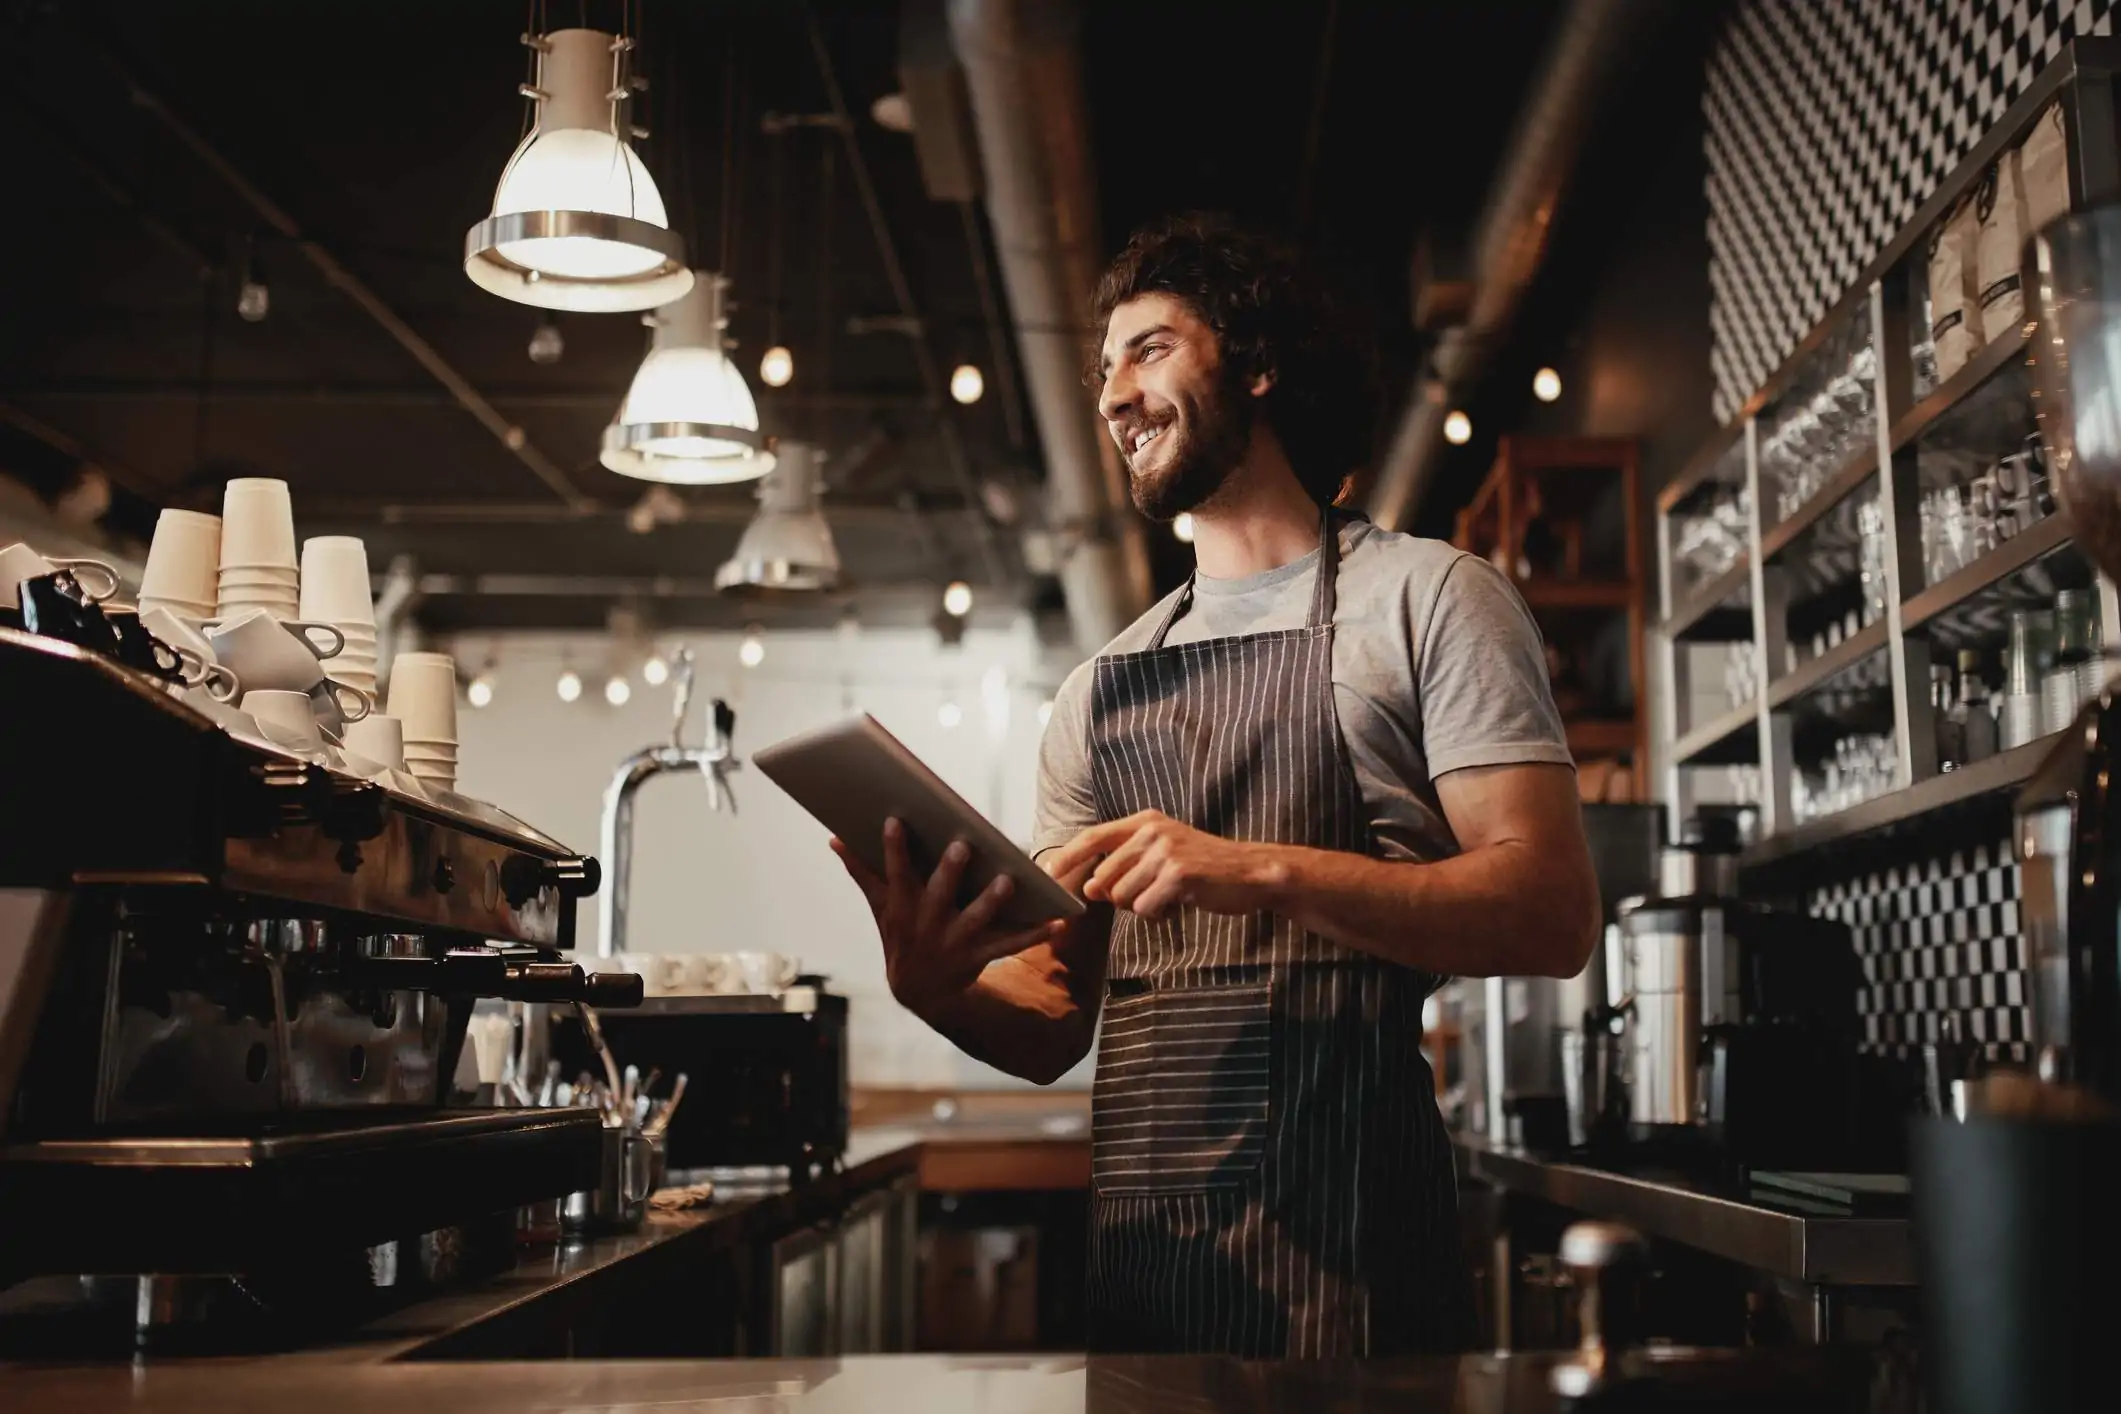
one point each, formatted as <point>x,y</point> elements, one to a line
<point>1594,44</point>
<point>509,434</point>
<point>1023,73</point>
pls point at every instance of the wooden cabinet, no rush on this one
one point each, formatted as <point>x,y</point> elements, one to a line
<point>1560,517</point>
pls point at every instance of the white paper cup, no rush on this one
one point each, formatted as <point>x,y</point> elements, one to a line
<point>257,523</point>
<point>380,737</point>
<point>291,712</point>
<point>423,695</point>
<point>191,611</point>
<point>257,577</point>
<point>335,581</point>
<point>183,559</point>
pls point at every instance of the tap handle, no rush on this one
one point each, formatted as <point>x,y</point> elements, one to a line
<point>724,722</point>
<point>681,697</point>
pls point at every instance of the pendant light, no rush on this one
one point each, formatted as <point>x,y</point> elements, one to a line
<point>787,548</point>
<point>689,417</point>
<point>577,221</point>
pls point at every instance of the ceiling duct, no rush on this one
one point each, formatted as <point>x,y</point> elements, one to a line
<point>1593,47</point>
<point>934,84</point>
<point>1023,74</point>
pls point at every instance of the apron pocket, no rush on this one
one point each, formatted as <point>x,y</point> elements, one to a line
<point>1180,1100</point>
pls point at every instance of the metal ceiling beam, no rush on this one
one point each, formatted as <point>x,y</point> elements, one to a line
<point>419,395</point>
<point>67,445</point>
<point>114,189</point>
<point>838,511</point>
<point>507,433</point>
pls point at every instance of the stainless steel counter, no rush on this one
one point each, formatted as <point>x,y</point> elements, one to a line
<point>1726,1381</point>
<point>1820,1251</point>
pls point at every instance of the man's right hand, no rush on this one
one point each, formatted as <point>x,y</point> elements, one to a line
<point>933,950</point>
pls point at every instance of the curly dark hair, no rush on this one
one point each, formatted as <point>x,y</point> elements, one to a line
<point>1271,313</point>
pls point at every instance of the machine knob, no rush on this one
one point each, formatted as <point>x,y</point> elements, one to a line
<point>614,989</point>
<point>577,878</point>
<point>1601,1258</point>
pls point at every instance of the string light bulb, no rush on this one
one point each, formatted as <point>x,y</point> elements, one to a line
<point>1182,527</point>
<point>1457,428</point>
<point>949,715</point>
<point>957,599</point>
<point>752,651</point>
<point>546,341</point>
<point>617,691</point>
<point>479,693</point>
<point>569,685</point>
<point>655,671</point>
<point>1546,385</point>
<point>776,366</point>
<point>967,383</point>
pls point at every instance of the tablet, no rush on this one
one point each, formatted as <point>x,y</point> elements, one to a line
<point>854,775</point>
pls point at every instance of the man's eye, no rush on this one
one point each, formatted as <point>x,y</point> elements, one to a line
<point>1151,350</point>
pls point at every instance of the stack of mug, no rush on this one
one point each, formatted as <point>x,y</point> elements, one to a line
<point>335,592</point>
<point>258,568</point>
<point>423,700</point>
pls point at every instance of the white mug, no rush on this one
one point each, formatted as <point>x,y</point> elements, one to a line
<point>19,562</point>
<point>338,706</point>
<point>270,654</point>
<point>287,719</point>
<point>220,683</point>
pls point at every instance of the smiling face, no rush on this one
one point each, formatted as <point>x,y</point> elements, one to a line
<point>1182,419</point>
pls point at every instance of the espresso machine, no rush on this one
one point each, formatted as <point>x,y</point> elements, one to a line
<point>1740,1025</point>
<point>234,989</point>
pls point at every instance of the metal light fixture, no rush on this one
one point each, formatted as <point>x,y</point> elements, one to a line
<point>689,417</point>
<point>577,222</point>
<point>1546,385</point>
<point>1457,428</point>
<point>787,548</point>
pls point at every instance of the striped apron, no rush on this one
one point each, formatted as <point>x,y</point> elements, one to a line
<point>1271,1176</point>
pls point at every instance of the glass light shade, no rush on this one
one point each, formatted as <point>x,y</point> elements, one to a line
<point>689,417</point>
<point>577,169</point>
<point>788,547</point>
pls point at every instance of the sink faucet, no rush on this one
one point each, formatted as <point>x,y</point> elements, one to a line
<point>714,761</point>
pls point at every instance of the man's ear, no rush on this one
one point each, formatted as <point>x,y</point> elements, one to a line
<point>1262,383</point>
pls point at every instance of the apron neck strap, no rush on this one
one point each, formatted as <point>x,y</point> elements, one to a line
<point>1322,598</point>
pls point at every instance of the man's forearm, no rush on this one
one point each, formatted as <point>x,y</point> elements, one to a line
<point>1023,1016</point>
<point>1497,910</point>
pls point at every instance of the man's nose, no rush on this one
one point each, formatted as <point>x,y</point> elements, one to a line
<point>1119,395</point>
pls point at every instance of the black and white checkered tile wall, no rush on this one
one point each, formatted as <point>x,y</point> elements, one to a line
<point>1828,123</point>
<point>1942,956</point>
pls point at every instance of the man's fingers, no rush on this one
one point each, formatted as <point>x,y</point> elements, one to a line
<point>939,899</point>
<point>864,877</point>
<point>978,917</point>
<point>1087,846</point>
<point>1159,898</point>
<point>1127,889</point>
<point>1116,866</point>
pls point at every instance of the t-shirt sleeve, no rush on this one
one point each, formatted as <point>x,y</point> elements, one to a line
<point>1065,806</point>
<point>1485,699</point>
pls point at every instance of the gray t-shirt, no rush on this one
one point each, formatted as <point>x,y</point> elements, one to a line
<point>1437,666</point>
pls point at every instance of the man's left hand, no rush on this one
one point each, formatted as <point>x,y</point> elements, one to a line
<point>1149,863</point>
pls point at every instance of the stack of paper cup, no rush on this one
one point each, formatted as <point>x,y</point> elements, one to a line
<point>423,697</point>
<point>335,592</point>
<point>183,565</point>
<point>258,548</point>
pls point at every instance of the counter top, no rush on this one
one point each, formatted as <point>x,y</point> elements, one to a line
<point>1826,1251</point>
<point>1818,1381</point>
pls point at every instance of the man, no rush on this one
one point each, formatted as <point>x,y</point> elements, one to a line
<point>1299,792</point>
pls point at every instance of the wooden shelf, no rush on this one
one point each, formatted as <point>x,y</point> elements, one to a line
<point>1842,656</point>
<point>2040,539</point>
<point>1843,483</point>
<point>1576,593</point>
<point>2006,770</point>
<point>1954,390</point>
<point>1591,736</point>
<point>1691,618</point>
<point>1728,740</point>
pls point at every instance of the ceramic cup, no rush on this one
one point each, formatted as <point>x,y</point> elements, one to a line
<point>257,523</point>
<point>271,655</point>
<point>288,718</point>
<point>18,562</point>
<point>183,561</point>
<point>380,737</point>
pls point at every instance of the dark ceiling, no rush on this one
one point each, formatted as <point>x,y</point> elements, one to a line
<point>380,134</point>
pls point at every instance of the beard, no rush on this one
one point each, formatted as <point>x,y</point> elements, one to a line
<point>1206,443</point>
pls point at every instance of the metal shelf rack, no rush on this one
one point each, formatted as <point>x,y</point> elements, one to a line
<point>1789,563</point>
